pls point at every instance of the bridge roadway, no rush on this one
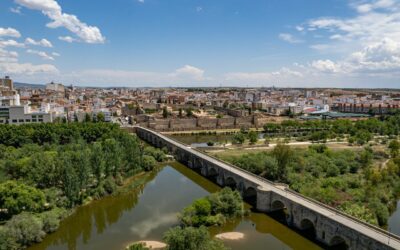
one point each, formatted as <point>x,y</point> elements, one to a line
<point>383,238</point>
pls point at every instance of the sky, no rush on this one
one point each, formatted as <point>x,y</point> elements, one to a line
<point>202,43</point>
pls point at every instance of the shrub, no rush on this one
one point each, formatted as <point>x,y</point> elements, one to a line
<point>190,238</point>
<point>51,219</point>
<point>148,162</point>
<point>137,246</point>
<point>25,229</point>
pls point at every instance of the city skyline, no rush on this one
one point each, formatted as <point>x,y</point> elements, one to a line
<point>152,43</point>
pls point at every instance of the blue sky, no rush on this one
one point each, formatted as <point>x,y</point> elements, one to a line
<point>289,43</point>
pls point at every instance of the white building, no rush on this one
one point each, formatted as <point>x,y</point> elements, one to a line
<point>11,100</point>
<point>21,115</point>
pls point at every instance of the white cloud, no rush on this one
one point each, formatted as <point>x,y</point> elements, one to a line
<point>44,42</point>
<point>369,41</point>
<point>10,32</point>
<point>378,58</point>
<point>8,56</point>
<point>141,1</point>
<point>67,39</point>
<point>375,5</point>
<point>16,10</point>
<point>55,54</point>
<point>381,20</point>
<point>283,74</point>
<point>185,75</point>
<point>188,72</point>
<point>50,8</point>
<point>42,54</point>
<point>11,43</point>
<point>326,66</point>
<point>289,38</point>
<point>322,47</point>
<point>26,69</point>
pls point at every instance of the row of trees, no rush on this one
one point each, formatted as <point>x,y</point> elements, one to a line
<point>59,166</point>
<point>240,138</point>
<point>50,133</point>
<point>385,125</point>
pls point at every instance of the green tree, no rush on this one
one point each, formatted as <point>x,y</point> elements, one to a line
<point>227,202</point>
<point>239,138</point>
<point>366,157</point>
<point>88,118</point>
<point>70,182</point>
<point>253,137</point>
<point>97,161</point>
<point>271,169</point>
<point>189,112</point>
<point>113,157</point>
<point>283,154</point>
<point>17,197</point>
<point>190,238</point>
<point>394,147</point>
<point>165,113</point>
<point>148,162</point>
<point>100,117</point>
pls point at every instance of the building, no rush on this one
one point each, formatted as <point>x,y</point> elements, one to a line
<point>8,96</point>
<point>6,83</point>
<point>57,87</point>
<point>11,110</point>
<point>21,115</point>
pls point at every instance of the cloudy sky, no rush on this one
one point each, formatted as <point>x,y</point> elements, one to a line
<point>289,43</point>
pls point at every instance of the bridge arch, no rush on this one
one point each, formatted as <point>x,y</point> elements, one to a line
<point>338,242</point>
<point>277,205</point>
<point>250,196</point>
<point>308,227</point>
<point>212,172</point>
<point>230,182</point>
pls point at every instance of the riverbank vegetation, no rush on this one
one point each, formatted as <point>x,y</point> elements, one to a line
<point>363,183</point>
<point>48,169</point>
<point>213,210</point>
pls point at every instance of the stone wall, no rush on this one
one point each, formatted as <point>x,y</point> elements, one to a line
<point>185,124</point>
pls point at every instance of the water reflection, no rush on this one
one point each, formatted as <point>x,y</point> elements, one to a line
<point>150,208</point>
<point>394,221</point>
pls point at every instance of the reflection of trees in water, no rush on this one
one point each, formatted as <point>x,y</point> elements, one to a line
<point>101,213</point>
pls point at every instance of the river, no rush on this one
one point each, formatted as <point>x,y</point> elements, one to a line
<point>150,207</point>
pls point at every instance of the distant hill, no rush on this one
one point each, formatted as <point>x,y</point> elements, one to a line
<point>28,85</point>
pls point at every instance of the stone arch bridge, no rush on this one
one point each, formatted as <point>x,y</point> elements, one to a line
<point>328,225</point>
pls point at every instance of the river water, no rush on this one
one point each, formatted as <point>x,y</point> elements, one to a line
<point>150,207</point>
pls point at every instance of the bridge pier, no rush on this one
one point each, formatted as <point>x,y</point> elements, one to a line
<point>263,199</point>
